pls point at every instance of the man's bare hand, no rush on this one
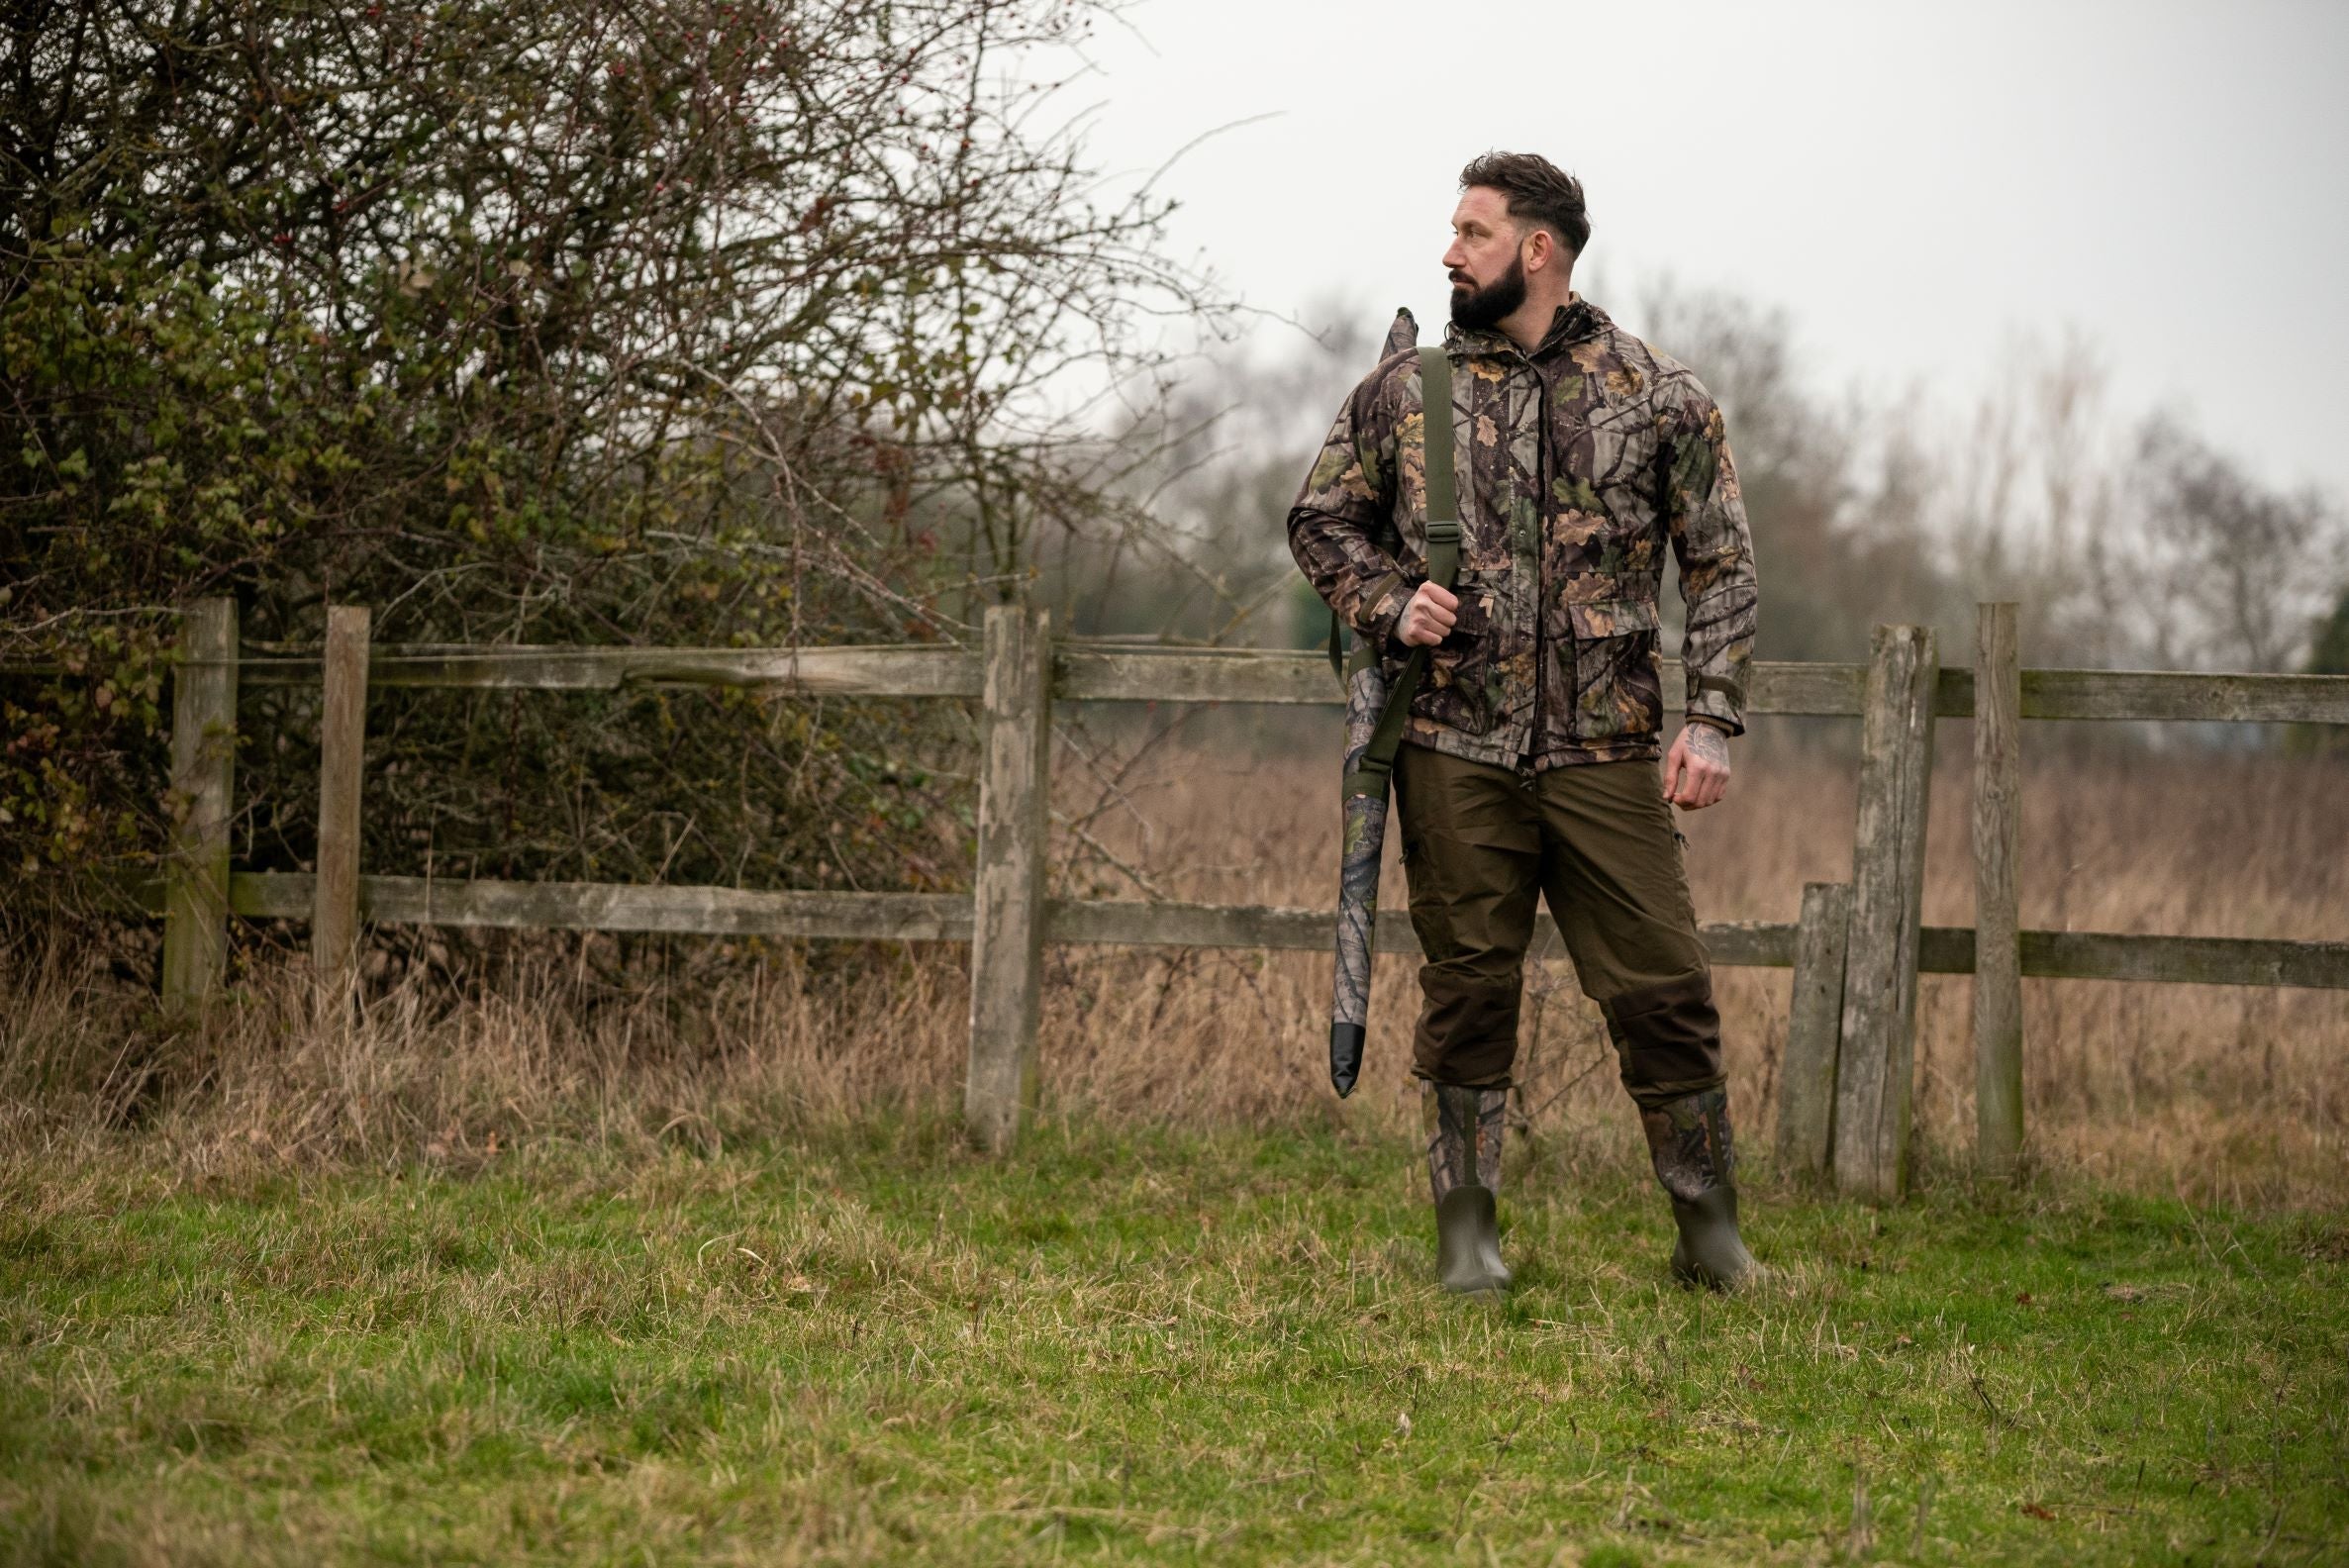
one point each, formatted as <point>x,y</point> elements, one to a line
<point>1428,618</point>
<point>1697,771</point>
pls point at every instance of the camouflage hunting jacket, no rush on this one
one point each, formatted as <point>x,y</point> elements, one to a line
<point>1578,464</point>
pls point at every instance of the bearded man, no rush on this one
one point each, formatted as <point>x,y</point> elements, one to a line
<point>1528,768</point>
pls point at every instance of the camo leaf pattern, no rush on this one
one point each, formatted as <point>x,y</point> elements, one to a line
<point>1580,465</point>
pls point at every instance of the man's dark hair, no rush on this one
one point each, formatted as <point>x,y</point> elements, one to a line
<point>1538,191</point>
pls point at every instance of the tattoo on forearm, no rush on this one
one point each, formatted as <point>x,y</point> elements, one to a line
<point>1709,745</point>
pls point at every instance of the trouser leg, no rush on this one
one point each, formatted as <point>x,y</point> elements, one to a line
<point>1613,878</point>
<point>1472,851</point>
<point>1472,855</point>
<point>1612,873</point>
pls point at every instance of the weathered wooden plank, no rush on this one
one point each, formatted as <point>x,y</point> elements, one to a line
<point>1831,690</point>
<point>1244,675</point>
<point>203,784</point>
<point>2169,960</point>
<point>619,907</point>
<point>1124,923</point>
<point>2168,694</point>
<point>1997,922</point>
<point>1749,945</point>
<point>1133,924</point>
<point>947,916</point>
<point>1807,1075</point>
<point>807,672</point>
<point>1876,1061</point>
<point>1758,945</point>
<point>342,742</point>
<point>901,917</point>
<point>1945,949</point>
<point>1193,675</point>
<point>2191,960</point>
<point>1008,888</point>
<point>2157,695</point>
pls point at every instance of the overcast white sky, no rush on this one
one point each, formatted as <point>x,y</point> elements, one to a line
<point>1915,184</point>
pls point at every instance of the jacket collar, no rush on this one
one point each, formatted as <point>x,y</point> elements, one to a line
<point>1573,322</point>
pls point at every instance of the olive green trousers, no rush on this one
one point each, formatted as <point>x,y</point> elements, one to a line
<point>1481,845</point>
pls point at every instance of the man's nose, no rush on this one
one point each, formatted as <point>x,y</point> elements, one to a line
<point>1455,259</point>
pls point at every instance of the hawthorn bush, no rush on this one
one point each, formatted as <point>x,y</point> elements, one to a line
<point>681,323</point>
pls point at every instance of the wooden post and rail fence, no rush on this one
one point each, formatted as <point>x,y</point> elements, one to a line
<point>1856,952</point>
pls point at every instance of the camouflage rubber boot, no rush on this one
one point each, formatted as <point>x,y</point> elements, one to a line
<point>1464,1173</point>
<point>1688,1140</point>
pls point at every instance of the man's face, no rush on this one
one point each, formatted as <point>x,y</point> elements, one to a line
<point>1486,261</point>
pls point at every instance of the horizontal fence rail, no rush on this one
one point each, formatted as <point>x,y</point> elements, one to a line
<point>893,671</point>
<point>1128,923</point>
<point>1246,675</point>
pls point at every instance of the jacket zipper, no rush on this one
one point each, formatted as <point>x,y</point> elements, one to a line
<point>1541,477</point>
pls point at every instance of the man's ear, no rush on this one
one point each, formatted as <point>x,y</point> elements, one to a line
<point>1541,250</point>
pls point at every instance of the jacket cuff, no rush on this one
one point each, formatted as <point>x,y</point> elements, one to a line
<point>1719,701</point>
<point>1383,606</point>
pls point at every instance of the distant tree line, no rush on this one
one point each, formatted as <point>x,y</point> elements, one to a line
<point>2128,544</point>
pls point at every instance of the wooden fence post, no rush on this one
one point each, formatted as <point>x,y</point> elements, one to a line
<point>1814,1020</point>
<point>1877,1062</point>
<point>203,777</point>
<point>1008,893</point>
<point>1998,918</point>
<point>343,739</point>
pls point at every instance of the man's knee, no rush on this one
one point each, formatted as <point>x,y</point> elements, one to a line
<point>1468,1030</point>
<point>1667,1038</point>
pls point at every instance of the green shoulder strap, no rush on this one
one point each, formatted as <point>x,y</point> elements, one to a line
<point>1443,567</point>
<point>1443,506</point>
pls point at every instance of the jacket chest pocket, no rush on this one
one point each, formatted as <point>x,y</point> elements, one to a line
<point>1616,690</point>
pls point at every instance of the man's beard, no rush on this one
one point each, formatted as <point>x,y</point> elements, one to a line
<point>1473,308</point>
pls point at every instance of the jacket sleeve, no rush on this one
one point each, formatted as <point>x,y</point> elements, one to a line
<point>1343,512</point>
<point>1709,540</point>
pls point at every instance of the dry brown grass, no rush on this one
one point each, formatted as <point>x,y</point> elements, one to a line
<point>2223,1092</point>
<point>2219,1093</point>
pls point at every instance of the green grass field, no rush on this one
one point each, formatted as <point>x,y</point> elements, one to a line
<point>1140,1347</point>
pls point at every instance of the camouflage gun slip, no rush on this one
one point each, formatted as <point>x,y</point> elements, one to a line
<point>1375,716</point>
